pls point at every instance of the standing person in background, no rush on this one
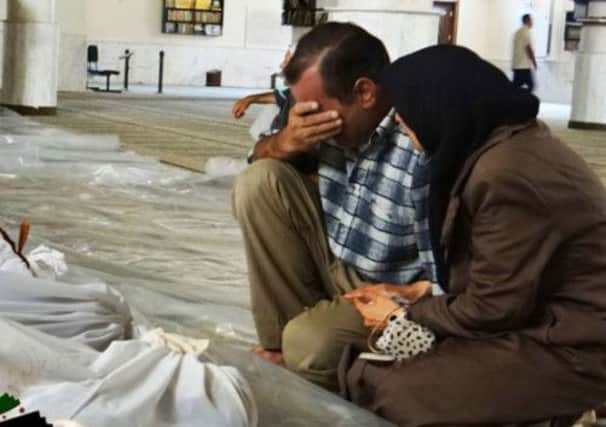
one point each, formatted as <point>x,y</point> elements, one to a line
<point>523,55</point>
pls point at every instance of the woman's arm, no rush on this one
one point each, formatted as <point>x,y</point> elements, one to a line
<point>512,240</point>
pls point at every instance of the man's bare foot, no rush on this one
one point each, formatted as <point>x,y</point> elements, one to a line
<point>274,357</point>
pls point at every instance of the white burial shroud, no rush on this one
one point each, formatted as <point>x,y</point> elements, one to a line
<point>50,331</point>
<point>133,382</point>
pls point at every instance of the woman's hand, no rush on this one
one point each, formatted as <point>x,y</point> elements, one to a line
<point>374,309</point>
<point>375,302</point>
<point>411,292</point>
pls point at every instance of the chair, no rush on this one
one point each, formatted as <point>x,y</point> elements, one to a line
<point>93,70</point>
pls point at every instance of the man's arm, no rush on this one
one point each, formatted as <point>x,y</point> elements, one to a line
<point>242,105</point>
<point>306,128</point>
<point>530,53</point>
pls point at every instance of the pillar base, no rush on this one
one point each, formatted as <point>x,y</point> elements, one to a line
<point>30,64</point>
<point>573,124</point>
<point>32,111</point>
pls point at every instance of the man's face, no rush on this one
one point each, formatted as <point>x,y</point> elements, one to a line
<point>529,23</point>
<point>310,88</point>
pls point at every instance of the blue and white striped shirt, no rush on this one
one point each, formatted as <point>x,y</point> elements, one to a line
<point>375,206</point>
<point>374,203</point>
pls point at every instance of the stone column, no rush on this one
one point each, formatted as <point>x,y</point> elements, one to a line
<point>403,25</point>
<point>29,77</point>
<point>589,91</point>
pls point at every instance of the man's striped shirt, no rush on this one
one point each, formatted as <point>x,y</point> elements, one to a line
<point>374,202</point>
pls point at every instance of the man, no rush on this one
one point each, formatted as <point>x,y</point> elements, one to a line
<point>308,244</point>
<point>523,55</point>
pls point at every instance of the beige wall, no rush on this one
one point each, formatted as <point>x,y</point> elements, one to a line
<point>71,16</point>
<point>248,52</point>
<point>472,21</point>
<point>253,41</point>
<point>377,4</point>
<point>487,27</point>
<point>2,18</point>
<point>247,23</point>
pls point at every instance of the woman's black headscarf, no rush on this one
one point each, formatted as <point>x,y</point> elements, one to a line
<point>452,99</point>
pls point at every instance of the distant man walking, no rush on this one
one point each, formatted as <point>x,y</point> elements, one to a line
<point>523,56</point>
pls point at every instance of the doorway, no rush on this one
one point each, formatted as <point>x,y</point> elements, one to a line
<point>448,21</point>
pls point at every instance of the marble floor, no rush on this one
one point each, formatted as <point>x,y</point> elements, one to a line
<point>590,144</point>
<point>163,237</point>
<point>186,128</point>
<point>182,130</point>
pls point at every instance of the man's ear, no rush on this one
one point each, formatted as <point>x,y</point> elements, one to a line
<point>365,92</point>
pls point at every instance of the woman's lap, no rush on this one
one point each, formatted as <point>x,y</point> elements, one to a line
<point>506,380</point>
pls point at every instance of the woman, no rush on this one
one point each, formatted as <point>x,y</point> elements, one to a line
<point>518,226</point>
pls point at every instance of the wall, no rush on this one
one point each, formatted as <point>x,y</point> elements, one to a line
<point>497,21</point>
<point>250,50</point>
<point>2,18</point>
<point>71,17</point>
<point>407,5</point>
<point>404,26</point>
<point>248,53</point>
<point>472,21</point>
<point>254,41</point>
<point>31,54</point>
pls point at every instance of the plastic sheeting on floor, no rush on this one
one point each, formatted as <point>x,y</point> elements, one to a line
<point>164,238</point>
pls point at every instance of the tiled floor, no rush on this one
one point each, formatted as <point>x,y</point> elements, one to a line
<point>591,144</point>
<point>187,130</point>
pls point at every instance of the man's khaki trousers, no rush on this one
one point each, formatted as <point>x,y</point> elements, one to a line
<point>296,284</point>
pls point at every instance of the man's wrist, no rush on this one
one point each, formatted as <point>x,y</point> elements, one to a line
<point>268,148</point>
<point>275,144</point>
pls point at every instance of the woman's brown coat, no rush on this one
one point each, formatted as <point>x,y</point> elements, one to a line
<point>523,325</point>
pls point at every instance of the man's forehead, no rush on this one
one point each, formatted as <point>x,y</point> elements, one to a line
<point>309,87</point>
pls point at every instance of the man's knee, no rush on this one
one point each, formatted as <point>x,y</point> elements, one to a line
<point>256,182</point>
<point>309,345</point>
<point>314,340</point>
